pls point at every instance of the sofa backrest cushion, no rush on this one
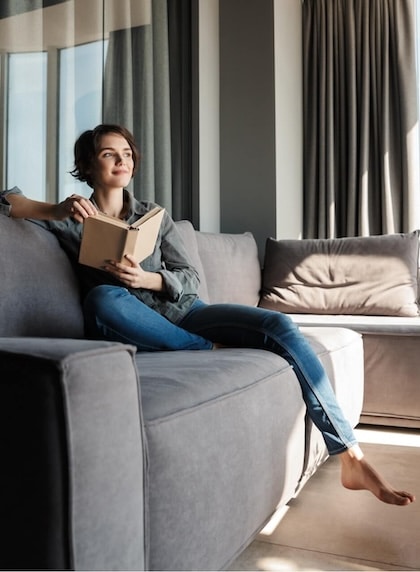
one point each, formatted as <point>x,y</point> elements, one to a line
<point>189,238</point>
<point>227,264</point>
<point>231,267</point>
<point>375,275</point>
<point>39,292</point>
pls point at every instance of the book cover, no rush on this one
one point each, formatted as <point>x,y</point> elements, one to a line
<point>109,238</point>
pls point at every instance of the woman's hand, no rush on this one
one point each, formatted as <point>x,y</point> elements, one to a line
<point>76,207</point>
<point>132,274</point>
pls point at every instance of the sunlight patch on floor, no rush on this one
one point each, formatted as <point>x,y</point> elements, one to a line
<point>274,521</point>
<point>279,564</point>
<point>387,436</point>
<point>320,563</point>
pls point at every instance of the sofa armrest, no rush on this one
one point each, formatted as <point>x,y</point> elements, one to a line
<point>73,456</point>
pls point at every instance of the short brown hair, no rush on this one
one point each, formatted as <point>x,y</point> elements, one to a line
<point>87,147</point>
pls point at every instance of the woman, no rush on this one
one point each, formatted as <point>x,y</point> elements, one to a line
<point>155,305</point>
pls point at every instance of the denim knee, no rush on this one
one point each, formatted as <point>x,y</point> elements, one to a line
<point>100,296</point>
<point>98,304</point>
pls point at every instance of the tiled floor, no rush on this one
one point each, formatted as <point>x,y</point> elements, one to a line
<point>330,528</point>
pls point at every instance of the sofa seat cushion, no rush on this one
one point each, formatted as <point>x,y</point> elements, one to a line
<point>392,325</point>
<point>226,439</point>
<point>391,364</point>
<point>174,382</point>
<point>374,275</point>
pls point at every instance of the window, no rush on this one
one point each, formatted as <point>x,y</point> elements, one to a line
<point>71,64</point>
<point>80,105</point>
<point>26,122</point>
<point>51,88</point>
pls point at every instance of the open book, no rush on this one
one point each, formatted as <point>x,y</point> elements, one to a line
<point>109,238</point>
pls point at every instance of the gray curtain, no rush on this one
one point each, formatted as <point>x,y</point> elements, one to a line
<point>360,117</point>
<point>137,95</point>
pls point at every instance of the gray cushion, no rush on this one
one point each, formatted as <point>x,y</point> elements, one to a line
<point>174,382</point>
<point>188,234</point>
<point>220,427</point>
<point>374,275</point>
<point>39,291</point>
<point>401,325</point>
<point>231,267</point>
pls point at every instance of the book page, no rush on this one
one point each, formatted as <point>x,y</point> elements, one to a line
<point>141,239</point>
<point>108,238</point>
<point>101,241</point>
<point>146,217</point>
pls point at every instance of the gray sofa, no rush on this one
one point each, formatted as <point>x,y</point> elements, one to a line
<point>160,461</point>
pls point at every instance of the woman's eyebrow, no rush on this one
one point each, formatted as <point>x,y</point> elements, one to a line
<point>113,149</point>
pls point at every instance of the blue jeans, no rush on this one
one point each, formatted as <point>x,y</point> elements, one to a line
<point>113,313</point>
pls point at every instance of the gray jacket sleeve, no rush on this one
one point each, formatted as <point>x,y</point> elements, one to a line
<point>170,259</point>
<point>5,207</point>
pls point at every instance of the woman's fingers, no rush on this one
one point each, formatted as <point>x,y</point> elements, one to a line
<point>80,207</point>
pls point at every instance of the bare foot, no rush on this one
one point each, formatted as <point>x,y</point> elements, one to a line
<point>357,474</point>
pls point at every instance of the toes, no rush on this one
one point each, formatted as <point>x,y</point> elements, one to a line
<point>401,498</point>
<point>407,495</point>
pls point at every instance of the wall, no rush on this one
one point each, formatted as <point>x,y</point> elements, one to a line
<point>289,118</point>
<point>247,118</point>
<point>260,117</point>
<point>208,115</point>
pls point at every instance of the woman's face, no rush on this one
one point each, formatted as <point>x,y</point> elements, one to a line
<point>114,163</point>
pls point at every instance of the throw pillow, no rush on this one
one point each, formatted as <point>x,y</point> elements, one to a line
<point>375,275</point>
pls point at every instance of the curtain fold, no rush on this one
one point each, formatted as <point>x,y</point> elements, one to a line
<point>137,95</point>
<point>360,117</point>
<point>180,73</point>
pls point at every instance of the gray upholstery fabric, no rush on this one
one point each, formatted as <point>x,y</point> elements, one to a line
<point>220,458</point>
<point>101,447</point>
<point>178,381</point>
<point>392,388</point>
<point>391,364</point>
<point>364,324</point>
<point>189,237</point>
<point>373,275</point>
<point>225,435</point>
<point>228,265</point>
<point>219,425</point>
<point>39,292</point>
<point>231,267</point>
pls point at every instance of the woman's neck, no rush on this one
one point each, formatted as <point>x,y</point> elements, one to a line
<point>111,204</point>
